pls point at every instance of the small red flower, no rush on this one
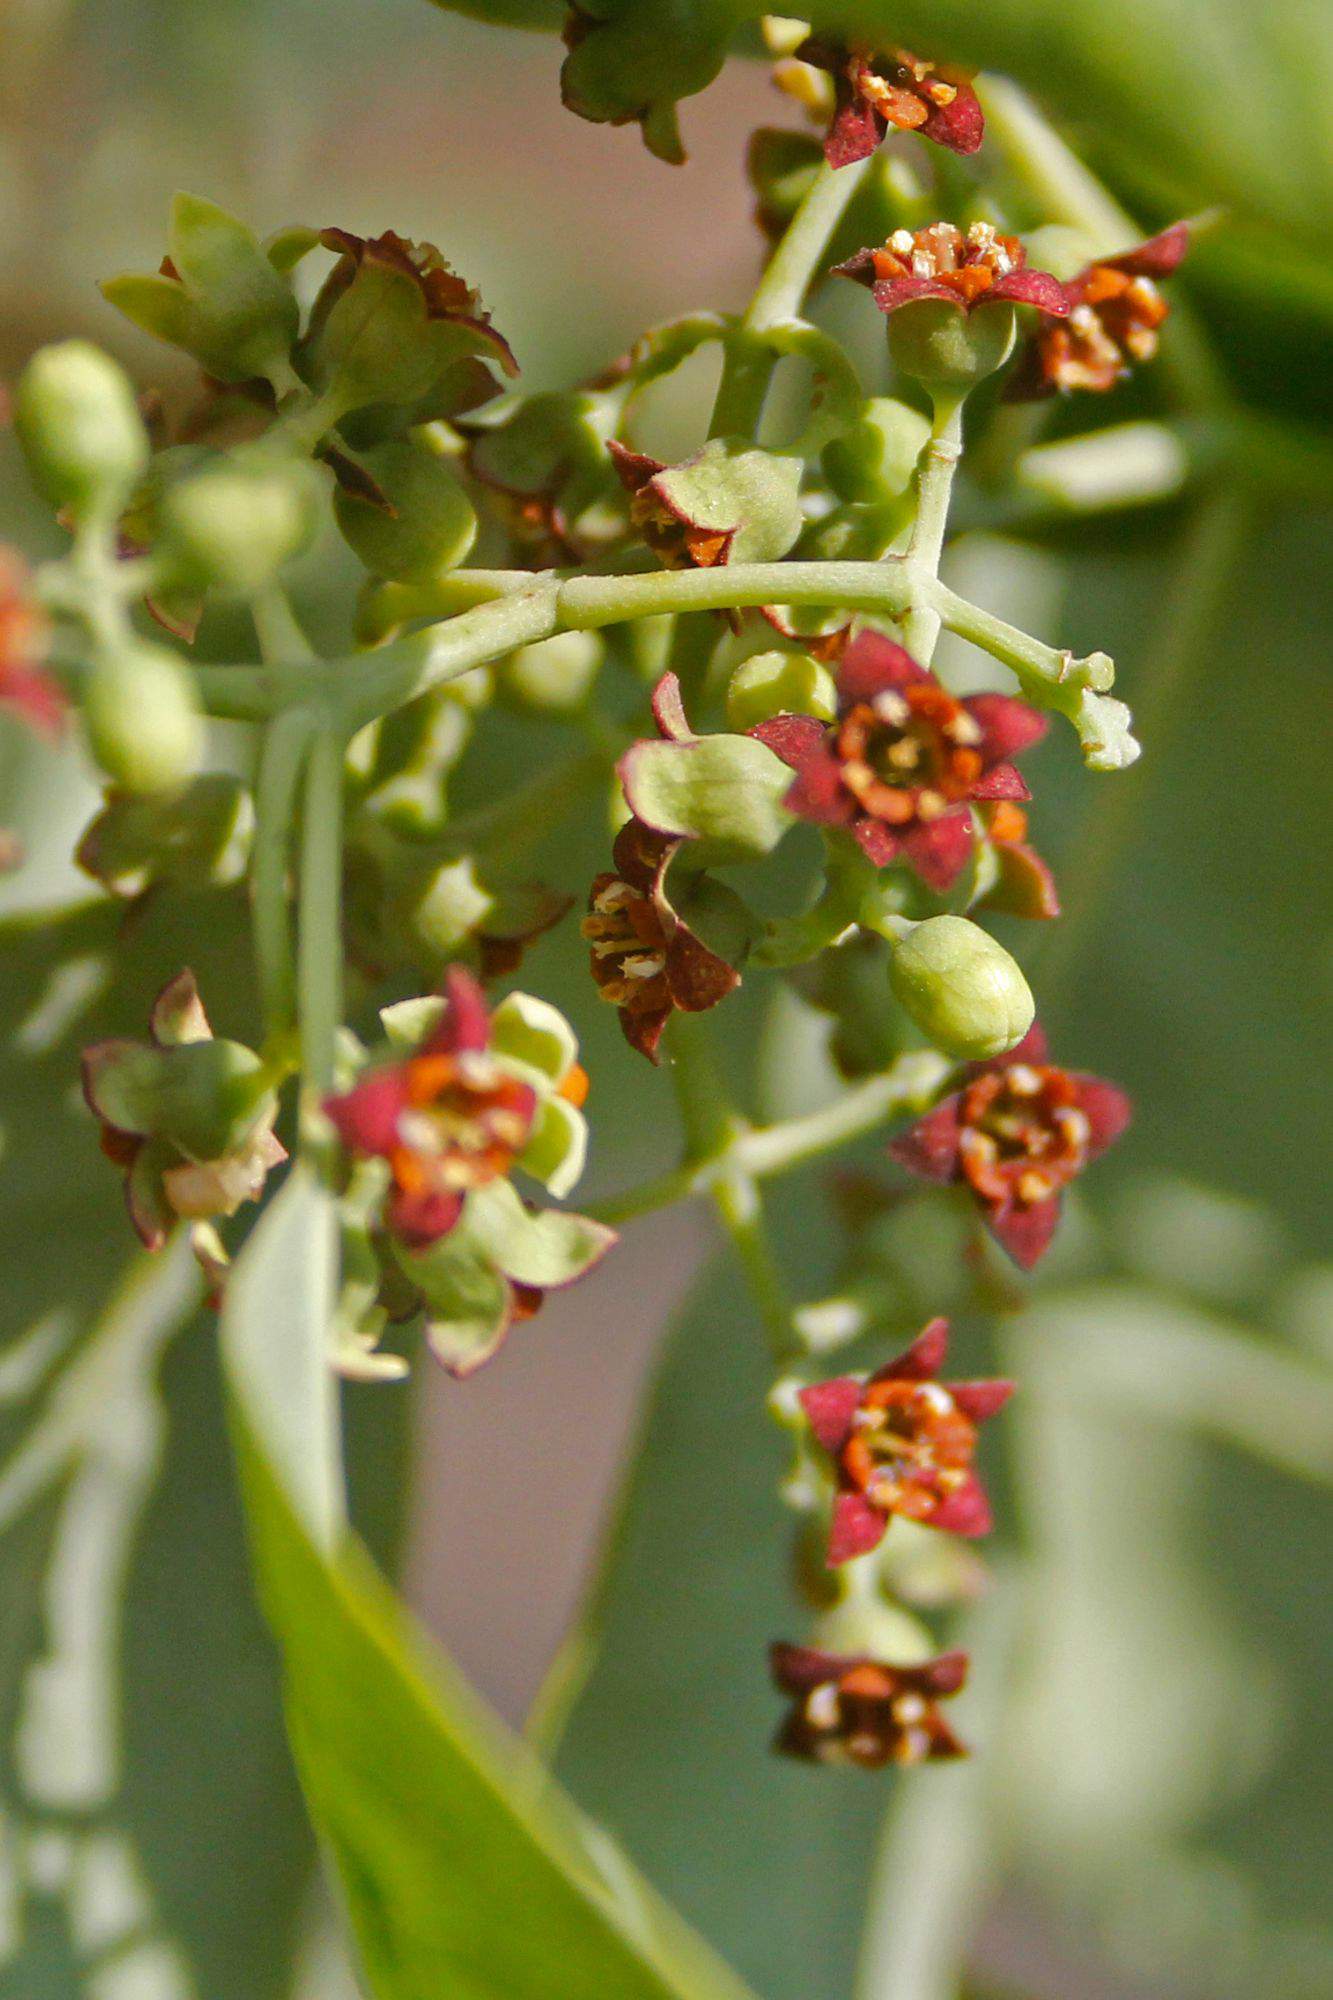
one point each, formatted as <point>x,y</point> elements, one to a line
<point>876,91</point>
<point>1017,1134</point>
<point>904,1443</point>
<point>645,960</point>
<point>677,541</point>
<point>904,759</point>
<point>966,271</point>
<point>446,1119</point>
<point>852,1709</point>
<point>24,687</point>
<point>1115,313</point>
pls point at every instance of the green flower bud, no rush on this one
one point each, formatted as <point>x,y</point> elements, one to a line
<point>143,719</point>
<point>428,524</point>
<point>80,430</point>
<point>234,525</point>
<point>876,458</point>
<point>961,988</point>
<point>776,683</point>
<point>553,674</point>
<point>937,343</point>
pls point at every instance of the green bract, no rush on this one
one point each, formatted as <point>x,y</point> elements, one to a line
<point>203,1097</point>
<point>961,988</point>
<point>218,296</point>
<point>81,432</point>
<point>143,719</point>
<point>412,519</point>
<point>732,488</point>
<point>727,790</point>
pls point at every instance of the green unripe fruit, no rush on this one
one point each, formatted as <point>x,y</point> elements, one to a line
<point>961,988</point>
<point>553,674</point>
<point>776,683</point>
<point>81,433</point>
<point>143,720</point>
<point>941,344</point>
<point>432,525</point>
<point>875,459</point>
<point>234,526</point>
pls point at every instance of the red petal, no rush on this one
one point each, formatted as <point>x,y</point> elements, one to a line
<point>830,1407</point>
<point>1107,1110</point>
<point>1033,1048</point>
<point>923,1359</point>
<point>938,849</point>
<point>638,854</point>
<point>875,665</point>
<point>930,1147</point>
<point>817,793</point>
<point>465,1024</point>
<point>946,1674</point>
<point>34,696</point>
<point>634,468</point>
<point>981,1400</point>
<point>1025,1232</point>
<point>1008,727</point>
<point>644,1031</point>
<point>856,1528</point>
<point>794,738</point>
<point>366,1117</point>
<point>1157,258</point>
<point>1002,781</point>
<point>798,1669</point>
<point>697,977</point>
<point>854,134</point>
<point>876,841</point>
<point>1030,288</point>
<point>966,1512</point>
<point>422,1219</point>
<point>891,293</point>
<point>960,126</point>
<point>669,711</point>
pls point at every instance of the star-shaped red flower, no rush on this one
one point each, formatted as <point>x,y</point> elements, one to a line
<point>903,1443</point>
<point>1017,1133</point>
<point>24,686</point>
<point>981,267</point>
<point>853,1709</point>
<point>1115,314</point>
<point>904,759</point>
<point>877,91</point>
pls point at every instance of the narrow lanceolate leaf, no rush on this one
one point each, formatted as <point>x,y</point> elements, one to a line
<point>463,1870</point>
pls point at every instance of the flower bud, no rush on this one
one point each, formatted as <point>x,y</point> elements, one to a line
<point>234,525</point>
<point>428,524</point>
<point>939,344</point>
<point>961,988</point>
<point>776,683</point>
<point>553,674</point>
<point>143,719</point>
<point>80,430</point>
<point>876,458</point>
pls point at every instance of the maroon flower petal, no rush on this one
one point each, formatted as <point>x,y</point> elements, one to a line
<point>798,1669</point>
<point>960,126</point>
<point>1030,288</point>
<point>854,134</point>
<point>643,1031</point>
<point>1157,258</point>
<point>930,1147</point>
<point>980,1400</point>
<point>465,1024</point>
<point>697,977</point>
<point>890,294</point>
<point>36,697</point>
<point>366,1117</point>
<point>669,711</point>
<point>966,1511</point>
<point>946,1674</point>
<point>1025,1232</point>
<point>634,468</point>
<point>1002,781</point>
<point>874,664</point>
<point>1107,1110</point>
<point>830,1408</point>
<point>1008,727</point>
<point>421,1219</point>
<point>794,738</point>
<point>879,843</point>
<point>922,1360</point>
<point>939,849</point>
<point>817,793</point>
<point>1034,1048</point>
<point>639,853</point>
<point>855,1529</point>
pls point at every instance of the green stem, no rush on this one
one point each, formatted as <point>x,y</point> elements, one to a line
<point>371,684</point>
<point>740,1209</point>
<point>319,937</point>
<point>280,636</point>
<point>281,762</point>
<point>939,461</point>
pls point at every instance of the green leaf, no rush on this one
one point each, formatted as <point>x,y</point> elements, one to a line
<point>463,1869</point>
<point>727,790</point>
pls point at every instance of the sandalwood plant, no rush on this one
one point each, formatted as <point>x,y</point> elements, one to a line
<point>820,780</point>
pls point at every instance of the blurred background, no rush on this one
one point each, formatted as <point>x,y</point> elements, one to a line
<point>1147,1814</point>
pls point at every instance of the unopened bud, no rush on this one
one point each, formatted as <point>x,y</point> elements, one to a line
<point>963,990</point>
<point>777,683</point>
<point>428,524</point>
<point>143,719</point>
<point>81,433</point>
<point>234,525</point>
<point>876,458</point>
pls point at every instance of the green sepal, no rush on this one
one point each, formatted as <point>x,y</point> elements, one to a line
<point>727,790</point>
<point>731,487</point>
<point>940,344</point>
<point>543,1248</point>
<point>408,1023</point>
<point>557,1152</point>
<point>422,521</point>
<point>535,1037</point>
<point>203,1097</point>
<point>227,304</point>
<point>197,840</point>
<point>468,1303</point>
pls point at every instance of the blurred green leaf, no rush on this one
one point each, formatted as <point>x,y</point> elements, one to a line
<point>460,1863</point>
